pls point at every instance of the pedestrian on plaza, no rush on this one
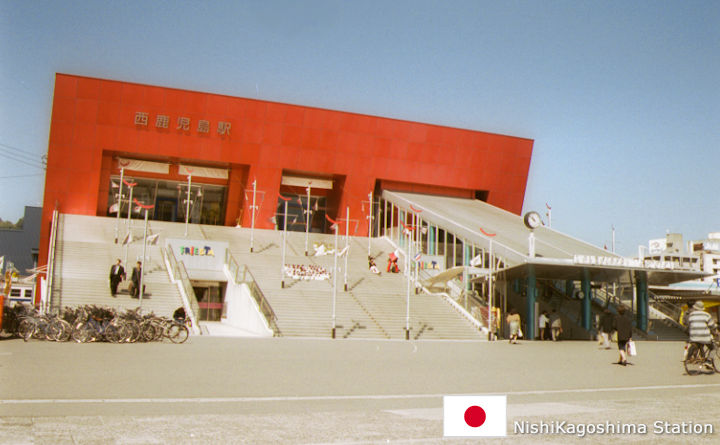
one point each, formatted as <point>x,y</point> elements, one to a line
<point>513,320</point>
<point>607,320</point>
<point>543,323</point>
<point>179,315</point>
<point>555,325</point>
<point>117,274</point>
<point>623,326</point>
<point>700,325</point>
<point>372,266</point>
<point>135,278</point>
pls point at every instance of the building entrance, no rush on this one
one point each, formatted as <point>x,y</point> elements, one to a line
<point>211,299</point>
<point>308,204</point>
<point>297,216</point>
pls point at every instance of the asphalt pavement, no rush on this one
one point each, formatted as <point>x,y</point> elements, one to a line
<point>310,391</point>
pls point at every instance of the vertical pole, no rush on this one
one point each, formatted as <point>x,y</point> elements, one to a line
<point>252,217</point>
<point>282,266</point>
<point>385,218</point>
<point>407,303</point>
<point>392,220</point>
<point>119,202</point>
<point>129,209</point>
<point>142,268</point>
<point>370,218</point>
<point>334,281</point>
<point>418,241</point>
<point>187,205</point>
<point>531,294</point>
<point>491,292</point>
<point>378,219</point>
<point>127,233</point>
<point>642,301</point>
<point>549,214</point>
<point>307,222</point>
<point>347,243</point>
<point>586,309</point>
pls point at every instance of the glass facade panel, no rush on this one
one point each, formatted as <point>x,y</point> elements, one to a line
<point>207,201</point>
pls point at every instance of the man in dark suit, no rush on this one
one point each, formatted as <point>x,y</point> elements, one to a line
<point>117,274</point>
<point>136,278</point>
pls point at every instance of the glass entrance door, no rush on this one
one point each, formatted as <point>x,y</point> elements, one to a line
<point>211,300</point>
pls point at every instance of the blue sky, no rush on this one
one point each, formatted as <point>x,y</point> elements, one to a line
<point>621,98</point>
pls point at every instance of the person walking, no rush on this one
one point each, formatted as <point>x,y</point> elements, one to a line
<point>117,274</point>
<point>513,320</point>
<point>136,278</point>
<point>543,323</point>
<point>555,325</point>
<point>623,326</point>
<point>606,327</point>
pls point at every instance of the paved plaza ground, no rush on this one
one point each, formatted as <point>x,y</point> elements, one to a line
<point>317,391</point>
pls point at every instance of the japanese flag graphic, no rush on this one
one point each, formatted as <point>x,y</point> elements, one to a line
<point>468,416</point>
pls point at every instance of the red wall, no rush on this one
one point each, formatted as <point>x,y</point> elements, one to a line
<point>93,120</point>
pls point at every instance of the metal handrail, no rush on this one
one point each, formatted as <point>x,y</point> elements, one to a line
<point>479,323</point>
<point>178,273</point>
<point>243,275</point>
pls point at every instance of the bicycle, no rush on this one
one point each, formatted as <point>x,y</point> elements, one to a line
<point>700,359</point>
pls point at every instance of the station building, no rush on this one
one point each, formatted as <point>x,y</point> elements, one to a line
<point>211,159</point>
<point>215,150</point>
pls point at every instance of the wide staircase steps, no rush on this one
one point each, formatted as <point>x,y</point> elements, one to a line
<point>374,306</point>
<point>85,251</point>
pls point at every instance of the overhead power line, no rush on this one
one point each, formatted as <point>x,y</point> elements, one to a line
<point>21,156</point>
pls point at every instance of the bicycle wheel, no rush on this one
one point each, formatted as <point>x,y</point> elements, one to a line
<point>178,333</point>
<point>26,329</point>
<point>113,334</point>
<point>83,333</point>
<point>54,330</point>
<point>693,361</point>
<point>41,329</point>
<point>66,331</point>
<point>148,331</point>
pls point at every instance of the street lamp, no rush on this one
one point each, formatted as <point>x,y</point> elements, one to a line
<point>307,221</point>
<point>252,216</point>
<point>188,202</point>
<point>119,204</point>
<point>282,265</point>
<point>370,218</point>
<point>335,255</point>
<point>142,267</point>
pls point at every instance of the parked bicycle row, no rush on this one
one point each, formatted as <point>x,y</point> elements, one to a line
<point>91,323</point>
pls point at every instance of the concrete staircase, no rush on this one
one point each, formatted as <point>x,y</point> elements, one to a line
<point>85,251</point>
<point>373,307</point>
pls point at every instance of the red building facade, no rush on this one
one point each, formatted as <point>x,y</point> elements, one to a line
<point>226,144</point>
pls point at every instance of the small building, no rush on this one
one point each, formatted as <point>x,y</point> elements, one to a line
<point>21,246</point>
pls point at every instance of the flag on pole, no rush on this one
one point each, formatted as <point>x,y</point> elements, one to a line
<point>473,416</point>
<point>418,256</point>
